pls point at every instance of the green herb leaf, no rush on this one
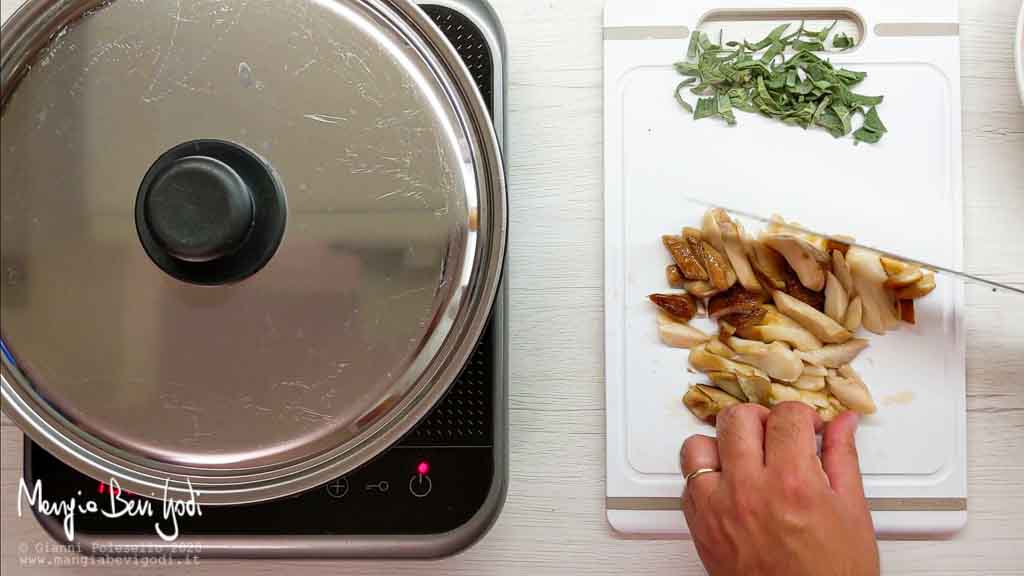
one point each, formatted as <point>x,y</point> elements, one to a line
<point>842,42</point>
<point>781,76</point>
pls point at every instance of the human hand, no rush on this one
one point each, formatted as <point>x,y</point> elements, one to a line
<point>775,508</point>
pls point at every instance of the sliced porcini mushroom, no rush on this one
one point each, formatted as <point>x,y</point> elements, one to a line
<point>797,290</point>
<point>776,327</point>
<point>775,359</point>
<point>677,334</point>
<point>839,243</point>
<point>706,402</point>
<point>810,383</point>
<point>878,314</point>
<point>720,272</point>
<point>836,298</point>
<point>782,393</point>
<point>835,355</point>
<point>736,252</point>
<point>894,267</point>
<point>719,348</point>
<point>682,307</point>
<point>751,316</point>
<point>756,387</point>
<point>908,277</point>
<point>754,382</point>
<point>919,289</point>
<point>804,258</point>
<point>907,313</point>
<point>700,288</point>
<point>842,271</point>
<point>854,314</point>
<point>690,265</point>
<point>814,370</point>
<point>727,382</point>
<point>674,277</point>
<point>703,360</point>
<point>770,266</point>
<point>824,328</point>
<point>735,300</point>
<point>711,230</point>
<point>851,391</point>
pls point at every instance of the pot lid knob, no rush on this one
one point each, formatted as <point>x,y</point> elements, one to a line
<point>199,209</point>
<point>210,212</point>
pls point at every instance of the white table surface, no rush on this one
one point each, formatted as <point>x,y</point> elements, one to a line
<point>553,521</point>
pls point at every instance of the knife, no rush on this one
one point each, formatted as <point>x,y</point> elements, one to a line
<point>995,286</point>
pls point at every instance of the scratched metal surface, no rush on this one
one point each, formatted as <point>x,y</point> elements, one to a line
<point>327,338</point>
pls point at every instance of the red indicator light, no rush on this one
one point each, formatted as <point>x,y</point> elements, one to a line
<point>423,468</point>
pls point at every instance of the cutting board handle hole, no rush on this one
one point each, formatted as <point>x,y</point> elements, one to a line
<point>752,25</point>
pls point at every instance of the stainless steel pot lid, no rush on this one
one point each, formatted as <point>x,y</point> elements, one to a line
<point>245,244</point>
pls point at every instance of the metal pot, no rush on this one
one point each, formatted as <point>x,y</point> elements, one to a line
<point>246,245</point>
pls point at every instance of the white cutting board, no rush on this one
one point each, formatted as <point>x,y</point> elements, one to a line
<point>903,194</point>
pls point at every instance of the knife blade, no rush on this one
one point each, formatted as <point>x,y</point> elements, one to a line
<point>995,286</point>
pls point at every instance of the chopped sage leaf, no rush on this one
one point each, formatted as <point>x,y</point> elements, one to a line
<point>780,76</point>
<point>842,42</point>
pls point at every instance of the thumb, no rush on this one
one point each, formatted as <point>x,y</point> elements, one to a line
<point>839,457</point>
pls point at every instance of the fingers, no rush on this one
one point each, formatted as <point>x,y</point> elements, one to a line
<point>790,436</point>
<point>741,440</point>
<point>700,452</point>
<point>839,456</point>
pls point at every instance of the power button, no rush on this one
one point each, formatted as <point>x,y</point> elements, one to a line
<point>420,485</point>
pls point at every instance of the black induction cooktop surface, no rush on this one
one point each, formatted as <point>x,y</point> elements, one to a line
<point>433,481</point>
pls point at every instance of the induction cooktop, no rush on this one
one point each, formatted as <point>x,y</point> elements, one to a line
<point>432,494</point>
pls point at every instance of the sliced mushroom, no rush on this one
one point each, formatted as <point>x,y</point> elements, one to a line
<point>674,277</point>
<point>769,264</point>
<point>727,382</point>
<point>720,272</point>
<point>894,267</point>
<point>751,316</point>
<point>735,300</point>
<point>680,306</point>
<point>839,243</point>
<point>869,278</point>
<point>736,251</point>
<point>700,288</point>
<point>836,299</point>
<point>755,383</point>
<point>907,313</point>
<point>824,328</point>
<point>719,348</point>
<point>776,327</point>
<point>909,276</point>
<point>702,359</point>
<point>849,389</point>
<point>682,253</point>
<point>776,359</point>
<point>835,355</point>
<point>814,370</point>
<point>757,387</point>
<point>842,271</point>
<point>919,289</point>
<point>710,229</point>
<point>677,334</point>
<point>810,383</point>
<point>782,393</point>
<point>706,402</point>
<point>854,313</point>
<point>803,257</point>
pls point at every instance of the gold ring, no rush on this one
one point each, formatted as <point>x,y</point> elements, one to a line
<point>699,472</point>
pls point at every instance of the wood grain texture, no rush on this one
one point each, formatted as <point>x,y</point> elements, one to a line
<point>553,521</point>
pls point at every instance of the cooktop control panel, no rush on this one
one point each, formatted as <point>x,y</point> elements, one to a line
<point>431,482</point>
